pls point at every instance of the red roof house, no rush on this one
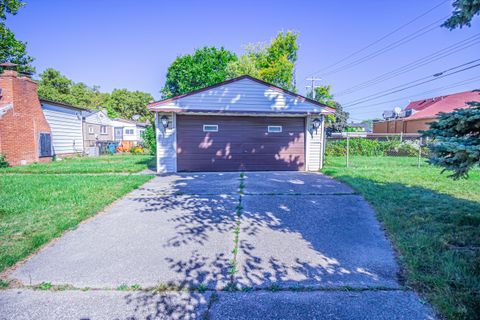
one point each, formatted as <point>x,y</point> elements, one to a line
<point>429,108</point>
<point>426,111</point>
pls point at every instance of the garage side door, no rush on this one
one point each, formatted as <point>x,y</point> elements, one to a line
<point>223,143</point>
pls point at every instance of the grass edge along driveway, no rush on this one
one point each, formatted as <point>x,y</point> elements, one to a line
<point>433,222</point>
<point>117,163</point>
<point>34,209</point>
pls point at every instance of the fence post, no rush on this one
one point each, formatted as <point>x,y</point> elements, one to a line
<point>401,137</point>
<point>419,153</point>
<point>347,147</point>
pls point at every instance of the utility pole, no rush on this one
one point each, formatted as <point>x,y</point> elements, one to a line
<point>313,86</point>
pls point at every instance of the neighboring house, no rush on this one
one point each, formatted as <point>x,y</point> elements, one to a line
<point>418,114</point>
<point>97,127</point>
<point>128,131</point>
<point>66,125</point>
<point>25,135</point>
<point>240,124</point>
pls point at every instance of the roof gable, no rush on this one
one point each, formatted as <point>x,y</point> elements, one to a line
<point>98,117</point>
<point>244,95</point>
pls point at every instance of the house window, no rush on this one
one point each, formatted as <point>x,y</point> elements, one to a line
<point>274,129</point>
<point>129,131</point>
<point>103,129</point>
<point>210,128</point>
<point>90,130</point>
<point>142,133</point>
<point>45,145</point>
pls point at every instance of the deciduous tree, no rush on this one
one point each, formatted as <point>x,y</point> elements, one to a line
<point>205,67</point>
<point>11,49</point>
<point>338,122</point>
<point>126,104</point>
<point>57,87</point>
<point>273,62</point>
<point>121,103</point>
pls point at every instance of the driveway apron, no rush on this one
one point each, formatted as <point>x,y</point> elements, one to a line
<point>307,230</point>
<point>176,229</point>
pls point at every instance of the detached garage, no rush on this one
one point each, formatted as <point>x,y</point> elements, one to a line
<point>243,124</point>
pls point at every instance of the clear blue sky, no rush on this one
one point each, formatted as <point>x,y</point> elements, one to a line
<point>130,44</point>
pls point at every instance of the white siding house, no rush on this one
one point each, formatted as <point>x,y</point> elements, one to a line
<point>66,125</point>
<point>131,130</point>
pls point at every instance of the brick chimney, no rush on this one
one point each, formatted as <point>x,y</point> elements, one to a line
<point>21,119</point>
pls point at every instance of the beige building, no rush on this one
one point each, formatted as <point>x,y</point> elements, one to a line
<point>97,127</point>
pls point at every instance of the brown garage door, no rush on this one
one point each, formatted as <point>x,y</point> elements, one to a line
<point>241,143</point>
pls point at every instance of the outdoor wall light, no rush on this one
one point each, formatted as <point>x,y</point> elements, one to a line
<point>164,120</point>
<point>316,123</point>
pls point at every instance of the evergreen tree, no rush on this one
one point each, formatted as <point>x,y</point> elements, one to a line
<point>456,140</point>
<point>464,11</point>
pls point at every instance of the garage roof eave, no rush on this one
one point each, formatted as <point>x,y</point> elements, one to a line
<point>217,91</point>
<point>222,112</point>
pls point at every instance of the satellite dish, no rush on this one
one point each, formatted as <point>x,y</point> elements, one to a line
<point>397,110</point>
<point>135,117</point>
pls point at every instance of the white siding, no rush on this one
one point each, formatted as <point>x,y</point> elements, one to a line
<point>166,144</point>
<point>314,146</point>
<point>66,126</point>
<point>99,118</point>
<point>244,95</point>
<point>129,137</point>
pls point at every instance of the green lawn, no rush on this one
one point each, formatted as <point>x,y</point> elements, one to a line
<point>103,164</point>
<point>433,221</point>
<point>37,208</point>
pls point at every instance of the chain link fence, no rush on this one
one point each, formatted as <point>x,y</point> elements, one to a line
<point>357,147</point>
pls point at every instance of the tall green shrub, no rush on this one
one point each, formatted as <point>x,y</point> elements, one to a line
<point>3,161</point>
<point>149,140</point>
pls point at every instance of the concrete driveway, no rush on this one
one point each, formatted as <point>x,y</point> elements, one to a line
<point>295,232</point>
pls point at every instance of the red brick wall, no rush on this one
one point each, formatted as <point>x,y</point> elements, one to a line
<point>21,125</point>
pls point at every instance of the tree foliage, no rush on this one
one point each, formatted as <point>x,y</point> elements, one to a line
<point>273,63</point>
<point>337,122</point>
<point>456,140</point>
<point>463,13</point>
<point>126,104</point>
<point>322,95</point>
<point>10,7</point>
<point>57,87</point>
<point>341,118</point>
<point>205,67</point>
<point>120,103</point>
<point>11,49</point>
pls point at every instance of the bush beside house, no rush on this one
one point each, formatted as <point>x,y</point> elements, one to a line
<point>367,147</point>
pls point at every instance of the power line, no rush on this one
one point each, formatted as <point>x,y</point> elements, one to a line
<point>313,86</point>
<point>411,84</point>
<point>454,85</point>
<point>381,38</point>
<point>447,51</point>
<point>389,47</point>
<point>435,76</point>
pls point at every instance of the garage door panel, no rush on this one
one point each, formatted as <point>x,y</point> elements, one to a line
<point>250,153</point>
<point>241,143</point>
